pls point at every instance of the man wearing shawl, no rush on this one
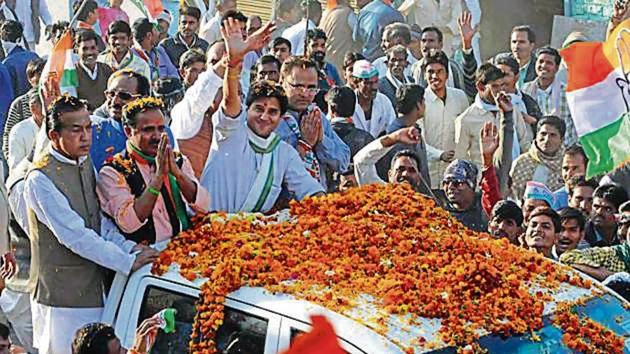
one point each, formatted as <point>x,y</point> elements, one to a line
<point>543,162</point>
<point>147,188</point>
<point>249,164</point>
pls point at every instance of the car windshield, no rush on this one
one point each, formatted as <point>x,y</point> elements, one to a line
<point>606,310</point>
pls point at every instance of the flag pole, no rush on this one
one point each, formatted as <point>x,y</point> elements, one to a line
<point>306,31</point>
<point>75,17</point>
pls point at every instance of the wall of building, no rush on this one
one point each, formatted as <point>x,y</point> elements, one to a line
<point>499,16</point>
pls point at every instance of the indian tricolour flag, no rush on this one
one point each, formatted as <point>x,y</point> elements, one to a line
<point>598,93</point>
<point>60,69</point>
<point>150,8</point>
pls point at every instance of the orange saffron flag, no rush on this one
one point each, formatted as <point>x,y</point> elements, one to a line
<point>321,339</point>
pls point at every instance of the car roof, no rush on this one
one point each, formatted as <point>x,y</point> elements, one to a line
<point>368,322</point>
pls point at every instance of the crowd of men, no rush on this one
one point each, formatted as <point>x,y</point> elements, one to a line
<point>231,114</point>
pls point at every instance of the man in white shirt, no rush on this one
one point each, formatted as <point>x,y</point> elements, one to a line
<point>210,26</point>
<point>266,163</point>
<point>71,243</point>
<point>118,55</point>
<point>373,111</point>
<point>395,34</point>
<point>296,34</point>
<point>29,13</point>
<point>22,136</point>
<point>443,105</point>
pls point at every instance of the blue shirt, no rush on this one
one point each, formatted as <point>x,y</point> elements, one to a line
<point>16,62</point>
<point>159,62</point>
<point>562,198</point>
<point>108,139</point>
<point>370,24</point>
<point>6,95</point>
<point>332,153</point>
<point>332,78</point>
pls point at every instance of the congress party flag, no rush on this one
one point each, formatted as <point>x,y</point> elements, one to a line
<point>60,70</point>
<point>150,8</point>
<point>598,94</point>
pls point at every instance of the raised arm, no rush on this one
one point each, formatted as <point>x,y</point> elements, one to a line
<point>467,32</point>
<point>365,160</point>
<point>503,155</point>
<point>489,142</point>
<point>237,48</point>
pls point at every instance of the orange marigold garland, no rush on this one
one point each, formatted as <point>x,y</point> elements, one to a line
<point>382,240</point>
<point>585,335</point>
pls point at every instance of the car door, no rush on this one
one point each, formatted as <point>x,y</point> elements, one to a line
<point>290,328</point>
<point>252,329</point>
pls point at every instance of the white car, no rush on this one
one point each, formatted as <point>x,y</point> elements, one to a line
<point>257,321</point>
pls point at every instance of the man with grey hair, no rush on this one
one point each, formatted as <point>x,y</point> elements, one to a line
<point>394,34</point>
<point>395,77</point>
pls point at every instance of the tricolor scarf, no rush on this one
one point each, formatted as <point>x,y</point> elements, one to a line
<point>260,190</point>
<point>170,182</point>
<point>310,160</point>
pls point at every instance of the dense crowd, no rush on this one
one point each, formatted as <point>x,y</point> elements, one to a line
<point>232,114</point>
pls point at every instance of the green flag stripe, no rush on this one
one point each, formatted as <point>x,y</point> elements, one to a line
<point>607,147</point>
<point>69,78</point>
<point>140,5</point>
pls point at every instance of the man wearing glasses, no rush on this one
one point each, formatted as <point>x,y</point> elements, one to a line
<point>305,127</point>
<point>108,137</point>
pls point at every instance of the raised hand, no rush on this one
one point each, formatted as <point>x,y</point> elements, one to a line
<point>448,156</point>
<point>145,335</point>
<point>235,45</point>
<point>466,30</point>
<point>504,102</point>
<point>489,140</point>
<point>410,135</point>
<point>259,39</point>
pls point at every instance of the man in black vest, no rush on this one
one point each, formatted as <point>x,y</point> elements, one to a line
<point>159,184</point>
<point>71,244</point>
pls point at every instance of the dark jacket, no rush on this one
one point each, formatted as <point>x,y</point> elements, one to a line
<point>16,63</point>
<point>532,109</point>
<point>388,89</point>
<point>175,47</point>
<point>473,218</point>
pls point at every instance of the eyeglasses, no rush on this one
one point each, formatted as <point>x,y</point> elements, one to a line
<point>307,89</point>
<point>123,95</point>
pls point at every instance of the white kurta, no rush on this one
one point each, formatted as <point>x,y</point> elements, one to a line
<point>233,165</point>
<point>54,327</point>
<point>438,126</point>
<point>296,35</point>
<point>21,141</point>
<point>187,115</point>
<point>382,114</point>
